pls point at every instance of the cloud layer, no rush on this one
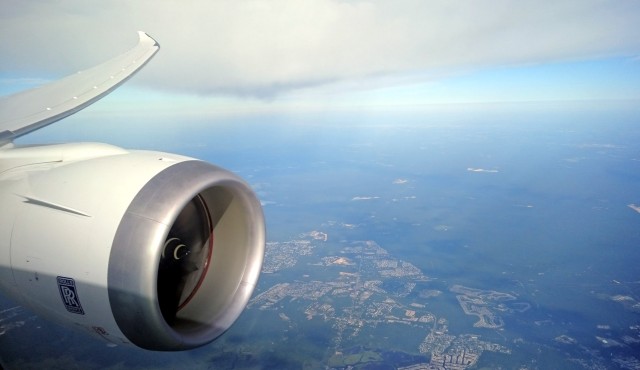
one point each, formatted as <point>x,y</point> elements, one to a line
<point>266,47</point>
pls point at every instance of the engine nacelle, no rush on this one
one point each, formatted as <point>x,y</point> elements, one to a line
<point>144,248</point>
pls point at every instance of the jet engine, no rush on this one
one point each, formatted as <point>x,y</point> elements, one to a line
<point>152,249</point>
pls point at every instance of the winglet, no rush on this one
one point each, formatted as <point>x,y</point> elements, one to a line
<point>30,110</point>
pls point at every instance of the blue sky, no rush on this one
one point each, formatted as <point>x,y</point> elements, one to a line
<point>229,57</point>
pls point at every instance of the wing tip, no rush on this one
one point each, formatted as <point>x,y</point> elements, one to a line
<point>145,38</point>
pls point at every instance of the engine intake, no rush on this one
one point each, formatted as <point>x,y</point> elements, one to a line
<point>186,257</point>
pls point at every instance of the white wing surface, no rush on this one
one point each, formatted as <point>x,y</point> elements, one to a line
<point>30,110</point>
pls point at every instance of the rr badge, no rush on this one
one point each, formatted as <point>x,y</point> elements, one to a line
<point>69,295</point>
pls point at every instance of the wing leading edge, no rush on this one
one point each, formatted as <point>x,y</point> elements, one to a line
<point>30,110</point>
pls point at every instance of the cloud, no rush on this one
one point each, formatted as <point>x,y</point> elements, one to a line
<point>267,47</point>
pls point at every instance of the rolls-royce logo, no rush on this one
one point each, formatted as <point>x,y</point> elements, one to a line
<point>69,295</point>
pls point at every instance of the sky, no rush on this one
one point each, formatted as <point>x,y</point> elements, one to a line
<point>234,56</point>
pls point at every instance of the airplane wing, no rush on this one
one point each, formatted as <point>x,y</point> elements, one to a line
<point>30,110</point>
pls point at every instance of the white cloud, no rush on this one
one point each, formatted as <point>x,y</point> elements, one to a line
<point>265,47</point>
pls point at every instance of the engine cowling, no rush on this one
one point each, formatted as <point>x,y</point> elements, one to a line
<point>145,248</point>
